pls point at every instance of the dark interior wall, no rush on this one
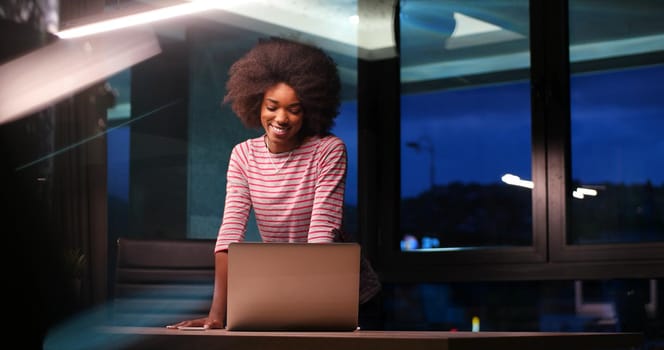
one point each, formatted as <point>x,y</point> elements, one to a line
<point>36,278</point>
<point>182,136</point>
<point>158,144</point>
<point>32,257</point>
<point>213,128</point>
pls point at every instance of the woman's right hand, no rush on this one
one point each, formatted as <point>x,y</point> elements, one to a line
<point>204,322</point>
<point>217,314</point>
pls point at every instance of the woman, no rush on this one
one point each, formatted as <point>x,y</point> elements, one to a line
<point>293,176</point>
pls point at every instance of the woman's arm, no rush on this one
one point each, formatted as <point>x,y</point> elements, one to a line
<point>216,317</point>
<point>236,212</point>
<point>327,211</point>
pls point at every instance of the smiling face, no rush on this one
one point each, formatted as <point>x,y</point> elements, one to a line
<point>282,117</point>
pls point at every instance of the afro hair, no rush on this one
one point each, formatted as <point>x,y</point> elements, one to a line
<point>311,73</point>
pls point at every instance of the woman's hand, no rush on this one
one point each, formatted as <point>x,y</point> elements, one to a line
<point>204,322</point>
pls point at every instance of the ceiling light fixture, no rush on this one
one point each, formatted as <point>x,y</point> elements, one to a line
<point>194,6</point>
<point>470,31</point>
<point>466,25</point>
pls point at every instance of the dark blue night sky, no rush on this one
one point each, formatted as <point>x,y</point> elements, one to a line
<point>478,135</point>
<point>618,126</point>
<point>482,133</point>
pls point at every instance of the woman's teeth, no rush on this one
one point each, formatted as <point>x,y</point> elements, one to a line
<point>279,130</point>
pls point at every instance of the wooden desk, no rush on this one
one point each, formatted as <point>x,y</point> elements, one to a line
<point>161,338</point>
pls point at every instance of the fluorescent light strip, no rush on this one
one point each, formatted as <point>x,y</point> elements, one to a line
<point>137,19</point>
<point>516,181</point>
<point>53,72</point>
<point>586,191</point>
<point>581,192</point>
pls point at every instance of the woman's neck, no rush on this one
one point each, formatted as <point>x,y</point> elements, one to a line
<point>281,148</point>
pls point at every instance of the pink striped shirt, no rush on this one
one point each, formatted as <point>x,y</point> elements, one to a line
<point>297,196</point>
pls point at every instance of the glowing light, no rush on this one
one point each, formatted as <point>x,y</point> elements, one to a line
<point>466,25</point>
<point>409,242</point>
<point>470,31</point>
<point>144,17</point>
<point>516,181</point>
<point>476,324</point>
<point>51,73</point>
<point>581,192</point>
<point>587,191</point>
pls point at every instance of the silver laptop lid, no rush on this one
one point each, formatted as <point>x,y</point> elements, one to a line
<point>293,286</point>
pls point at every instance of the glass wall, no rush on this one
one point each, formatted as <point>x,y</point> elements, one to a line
<point>467,133</point>
<point>471,148</point>
<point>465,125</point>
<point>617,305</point>
<point>123,134</point>
<point>154,140</point>
<point>617,117</point>
<point>170,136</point>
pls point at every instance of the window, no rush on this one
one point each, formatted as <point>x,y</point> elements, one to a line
<point>465,126</point>
<point>616,123</point>
<point>497,142</point>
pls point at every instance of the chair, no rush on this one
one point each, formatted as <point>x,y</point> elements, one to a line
<point>162,281</point>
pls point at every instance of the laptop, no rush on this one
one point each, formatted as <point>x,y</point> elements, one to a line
<point>293,286</point>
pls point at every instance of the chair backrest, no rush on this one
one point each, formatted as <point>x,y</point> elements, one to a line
<point>162,281</point>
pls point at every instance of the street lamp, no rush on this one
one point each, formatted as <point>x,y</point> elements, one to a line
<point>424,144</point>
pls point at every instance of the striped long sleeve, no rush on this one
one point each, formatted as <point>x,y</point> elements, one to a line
<point>296,196</point>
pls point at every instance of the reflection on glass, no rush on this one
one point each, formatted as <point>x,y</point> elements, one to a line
<point>615,305</point>
<point>167,163</point>
<point>616,105</point>
<point>465,123</point>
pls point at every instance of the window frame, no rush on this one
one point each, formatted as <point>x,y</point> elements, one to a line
<point>549,257</point>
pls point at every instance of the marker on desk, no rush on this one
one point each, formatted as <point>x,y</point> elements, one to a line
<point>476,324</point>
